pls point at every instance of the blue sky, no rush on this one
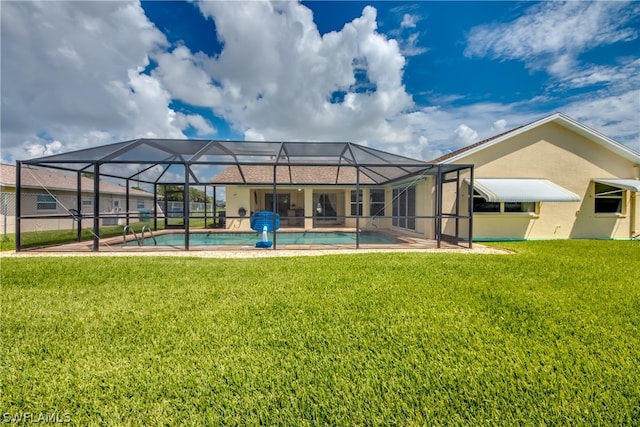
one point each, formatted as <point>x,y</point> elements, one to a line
<point>415,78</point>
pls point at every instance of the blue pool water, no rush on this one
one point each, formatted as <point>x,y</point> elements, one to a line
<point>284,238</point>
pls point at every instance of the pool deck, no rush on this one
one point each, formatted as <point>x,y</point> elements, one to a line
<point>112,247</point>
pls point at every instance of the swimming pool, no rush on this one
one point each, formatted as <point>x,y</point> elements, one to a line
<point>283,238</point>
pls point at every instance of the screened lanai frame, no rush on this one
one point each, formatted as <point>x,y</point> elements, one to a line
<point>154,162</point>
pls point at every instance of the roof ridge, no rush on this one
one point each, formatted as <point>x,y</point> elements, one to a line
<point>475,144</point>
<point>558,118</point>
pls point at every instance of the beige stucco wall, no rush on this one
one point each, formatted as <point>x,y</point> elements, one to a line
<point>422,209</point>
<point>238,197</point>
<point>253,200</point>
<point>567,159</point>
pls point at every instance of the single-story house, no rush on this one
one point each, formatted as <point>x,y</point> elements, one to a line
<point>49,196</point>
<point>554,178</point>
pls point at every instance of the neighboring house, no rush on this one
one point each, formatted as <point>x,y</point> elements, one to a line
<point>47,196</point>
<point>552,179</point>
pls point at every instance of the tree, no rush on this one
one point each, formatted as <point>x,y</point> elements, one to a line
<point>177,193</point>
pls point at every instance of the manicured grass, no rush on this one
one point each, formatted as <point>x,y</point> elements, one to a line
<point>547,336</point>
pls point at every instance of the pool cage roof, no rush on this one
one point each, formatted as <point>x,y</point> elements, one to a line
<point>192,162</point>
<point>159,161</point>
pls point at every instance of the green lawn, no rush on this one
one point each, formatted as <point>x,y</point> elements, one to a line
<point>547,336</point>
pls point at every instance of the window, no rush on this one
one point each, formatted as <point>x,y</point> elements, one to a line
<point>404,207</point>
<point>376,202</point>
<point>87,202</point>
<point>356,203</point>
<point>140,204</point>
<point>283,203</point>
<point>324,205</point>
<point>519,207</point>
<point>481,205</point>
<point>46,202</point>
<point>608,199</point>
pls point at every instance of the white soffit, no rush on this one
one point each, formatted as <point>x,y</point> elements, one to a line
<point>522,190</point>
<point>624,184</point>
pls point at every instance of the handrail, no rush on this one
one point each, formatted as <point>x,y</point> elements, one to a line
<point>150,233</point>
<point>124,234</point>
<point>76,215</point>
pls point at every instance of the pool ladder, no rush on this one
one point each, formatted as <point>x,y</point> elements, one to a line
<point>139,240</point>
<point>155,243</point>
<point>127,228</point>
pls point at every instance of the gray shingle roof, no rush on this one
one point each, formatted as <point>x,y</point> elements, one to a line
<point>472,146</point>
<point>303,175</point>
<point>59,181</point>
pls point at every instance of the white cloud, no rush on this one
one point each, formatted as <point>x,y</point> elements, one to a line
<point>409,46</point>
<point>277,80</point>
<point>624,76</point>
<point>409,21</point>
<point>555,37</point>
<point>552,35</point>
<point>464,135</point>
<point>72,71</point>
<point>73,77</point>
<point>499,125</point>
<point>202,126</point>
<point>611,115</point>
<point>45,148</point>
<point>183,73</point>
<point>407,34</point>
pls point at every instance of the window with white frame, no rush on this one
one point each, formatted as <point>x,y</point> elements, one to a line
<point>46,202</point>
<point>481,205</point>
<point>140,204</point>
<point>356,203</point>
<point>608,199</point>
<point>87,202</point>
<point>404,208</point>
<point>519,207</point>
